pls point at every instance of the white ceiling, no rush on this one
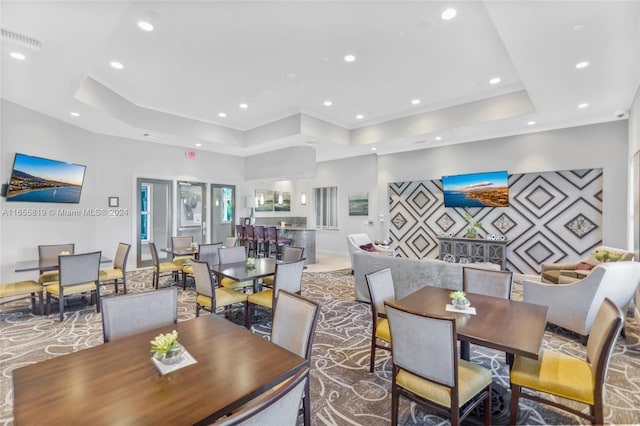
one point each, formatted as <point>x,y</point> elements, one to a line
<point>285,58</point>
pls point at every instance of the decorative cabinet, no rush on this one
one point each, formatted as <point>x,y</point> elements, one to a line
<point>473,250</point>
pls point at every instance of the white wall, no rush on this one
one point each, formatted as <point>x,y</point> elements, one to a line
<point>113,164</point>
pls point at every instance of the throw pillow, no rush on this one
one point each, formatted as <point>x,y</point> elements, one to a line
<point>583,266</point>
<point>368,247</point>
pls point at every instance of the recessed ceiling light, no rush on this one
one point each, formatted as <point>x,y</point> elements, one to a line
<point>145,25</point>
<point>582,64</point>
<point>531,123</point>
<point>438,138</point>
<point>74,114</point>
<point>415,101</point>
<point>198,144</point>
<point>149,136</point>
<point>349,58</point>
<point>359,117</point>
<point>327,103</point>
<point>17,55</point>
<point>291,76</point>
<point>117,65</point>
<point>222,114</point>
<point>448,14</point>
<point>374,148</point>
<point>577,27</point>
<point>583,105</point>
<point>243,105</point>
<point>495,80</point>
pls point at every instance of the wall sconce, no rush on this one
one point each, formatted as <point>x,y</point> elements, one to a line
<point>280,200</point>
<point>303,198</point>
<point>261,199</point>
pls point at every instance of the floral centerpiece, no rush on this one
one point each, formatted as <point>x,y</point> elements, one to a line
<point>471,230</point>
<point>166,349</point>
<point>459,299</point>
<point>251,262</point>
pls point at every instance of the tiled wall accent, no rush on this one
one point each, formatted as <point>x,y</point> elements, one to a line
<point>552,217</point>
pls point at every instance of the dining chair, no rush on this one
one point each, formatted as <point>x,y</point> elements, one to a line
<point>289,254</point>
<point>230,241</point>
<point>162,268</point>
<point>569,377</point>
<point>426,369</point>
<point>78,274</point>
<point>293,328</point>
<point>48,258</point>
<point>210,298</point>
<point>27,288</point>
<point>279,407</point>
<point>119,270</point>
<point>287,276</point>
<point>206,253</point>
<point>134,313</point>
<point>233,255</point>
<point>381,289</point>
<point>179,243</point>
<point>275,241</point>
<point>488,283</point>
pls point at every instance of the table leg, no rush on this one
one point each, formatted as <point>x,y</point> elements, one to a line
<point>465,350</point>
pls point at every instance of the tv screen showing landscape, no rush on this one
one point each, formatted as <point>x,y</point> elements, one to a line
<point>489,189</point>
<point>43,180</point>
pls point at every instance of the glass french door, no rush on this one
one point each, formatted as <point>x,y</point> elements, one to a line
<point>154,218</point>
<point>223,212</point>
<point>191,211</point>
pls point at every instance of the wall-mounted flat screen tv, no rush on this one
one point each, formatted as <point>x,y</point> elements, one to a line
<point>46,181</point>
<point>489,189</point>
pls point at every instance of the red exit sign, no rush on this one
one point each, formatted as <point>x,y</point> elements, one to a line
<point>191,155</point>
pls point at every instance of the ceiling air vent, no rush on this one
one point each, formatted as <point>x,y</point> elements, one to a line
<point>19,39</point>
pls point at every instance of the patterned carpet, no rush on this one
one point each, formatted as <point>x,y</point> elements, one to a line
<point>343,390</point>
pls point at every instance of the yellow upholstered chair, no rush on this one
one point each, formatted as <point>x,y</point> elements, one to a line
<point>119,271</point>
<point>288,276</point>
<point>426,368</point>
<point>48,260</point>
<point>78,274</point>
<point>228,255</point>
<point>212,299</point>
<point>380,285</point>
<point>206,253</point>
<point>569,377</point>
<point>180,243</point>
<point>160,268</point>
<point>289,254</point>
<point>25,289</point>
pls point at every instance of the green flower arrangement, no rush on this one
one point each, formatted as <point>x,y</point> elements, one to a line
<point>458,297</point>
<point>163,344</point>
<point>607,256</point>
<point>471,230</point>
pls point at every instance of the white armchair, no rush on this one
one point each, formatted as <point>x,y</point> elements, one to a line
<point>574,306</point>
<point>356,241</point>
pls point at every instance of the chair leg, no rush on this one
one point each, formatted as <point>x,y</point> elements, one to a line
<point>487,408</point>
<point>48,303</point>
<point>197,310</point>
<point>124,283</point>
<point>247,315</point>
<point>372,359</point>
<point>598,414</point>
<point>306,403</point>
<point>394,400</point>
<point>515,397</point>
<point>61,304</point>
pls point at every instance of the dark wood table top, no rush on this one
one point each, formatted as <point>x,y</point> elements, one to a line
<point>117,383</point>
<point>36,265</point>
<point>181,251</point>
<point>506,325</point>
<point>265,266</point>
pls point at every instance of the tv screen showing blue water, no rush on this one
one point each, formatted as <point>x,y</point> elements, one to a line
<point>489,189</point>
<point>43,180</point>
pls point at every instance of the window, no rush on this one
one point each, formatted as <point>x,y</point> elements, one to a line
<point>326,207</point>
<point>145,226</point>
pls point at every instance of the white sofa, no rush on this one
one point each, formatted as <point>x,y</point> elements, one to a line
<point>355,241</point>
<point>574,306</point>
<point>409,275</point>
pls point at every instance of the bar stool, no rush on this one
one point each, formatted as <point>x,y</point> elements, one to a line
<point>275,241</point>
<point>262,241</point>
<point>240,235</point>
<point>250,240</point>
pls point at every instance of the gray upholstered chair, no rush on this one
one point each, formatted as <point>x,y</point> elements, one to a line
<point>568,377</point>
<point>230,241</point>
<point>233,255</point>
<point>574,306</point>
<point>294,324</point>
<point>119,271</point>
<point>289,254</point>
<point>426,368</point>
<point>279,407</point>
<point>162,268</point>
<point>48,258</point>
<point>182,242</point>
<point>568,272</point>
<point>487,282</point>
<point>380,285</point>
<point>288,276</point>
<point>134,313</point>
<point>210,298</point>
<point>78,274</point>
<point>206,253</point>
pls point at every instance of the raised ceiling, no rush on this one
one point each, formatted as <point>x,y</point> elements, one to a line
<point>285,59</point>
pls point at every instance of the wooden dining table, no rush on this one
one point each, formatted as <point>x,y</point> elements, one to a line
<point>506,325</point>
<point>239,271</point>
<point>117,382</point>
<point>36,265</point>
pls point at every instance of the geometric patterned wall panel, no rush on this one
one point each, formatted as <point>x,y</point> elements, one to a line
<point>552,217</point>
